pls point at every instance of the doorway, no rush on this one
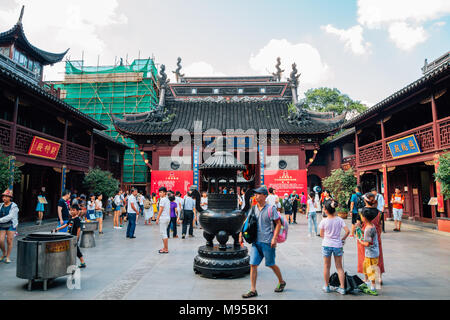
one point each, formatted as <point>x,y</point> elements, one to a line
<point>425,186</point>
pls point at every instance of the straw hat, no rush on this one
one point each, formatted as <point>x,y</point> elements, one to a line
<point>8,193</point>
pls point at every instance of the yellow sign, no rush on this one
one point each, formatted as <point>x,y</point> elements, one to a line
<point>56,247</point>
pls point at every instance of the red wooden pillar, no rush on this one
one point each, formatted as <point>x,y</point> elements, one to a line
<point>383,137</point>
<point>386,191</point>
<point>358,176</point>
<point>64,151</point>
<point>440,197</point>
<point>437,138</point>
<point>14,127</point>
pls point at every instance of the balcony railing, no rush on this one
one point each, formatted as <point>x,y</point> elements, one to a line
<point>76,154</point>
<point>373,153</point>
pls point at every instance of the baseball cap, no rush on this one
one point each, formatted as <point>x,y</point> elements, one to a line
<point>261,190</point>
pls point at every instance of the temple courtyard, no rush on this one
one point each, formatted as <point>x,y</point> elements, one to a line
<point>417,267</point>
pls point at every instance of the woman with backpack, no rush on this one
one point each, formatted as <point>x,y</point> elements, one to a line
<point>288,206</point>
<point>148,210</point>
<point>356,206</point>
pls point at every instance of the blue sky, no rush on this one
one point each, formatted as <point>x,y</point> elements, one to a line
<point>366,48</point>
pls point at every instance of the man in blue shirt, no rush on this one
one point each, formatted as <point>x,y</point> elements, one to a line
<point>266,241</point>
<point>354,209</point>
<point>189,211</point>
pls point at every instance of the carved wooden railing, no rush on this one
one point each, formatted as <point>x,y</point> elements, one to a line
<point>5,135</point>
<point>444,132</point>
<point>373,153</point>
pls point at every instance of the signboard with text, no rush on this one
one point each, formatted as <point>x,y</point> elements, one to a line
<point>404,147</point>
<point>44,148</point>
<point>286,181</point>
<point>172,180</point>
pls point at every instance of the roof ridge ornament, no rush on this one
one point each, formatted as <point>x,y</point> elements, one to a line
<point>163,85</point>
<point>21,15</point>
<point>277,75</point>
<point>177,72</point>
<point>293,82</point>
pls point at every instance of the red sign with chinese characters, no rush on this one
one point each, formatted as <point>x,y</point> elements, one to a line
<point>286,181</point>
<point>172,180</point>
<point>44,148</point>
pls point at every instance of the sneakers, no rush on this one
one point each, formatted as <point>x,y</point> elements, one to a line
<point>183,237</point>
<point>280,287</point>
<point>341,290</point>
<point>82,266</point>
<point>7,260</point>
<point>250,294</point>
<point>370,291</point>
<point>326,289</point>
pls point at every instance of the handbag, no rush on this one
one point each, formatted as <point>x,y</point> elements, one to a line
<point>182,213</point>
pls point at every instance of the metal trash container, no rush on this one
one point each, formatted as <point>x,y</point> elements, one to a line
<point>43,256</point>
<point>87,239</point>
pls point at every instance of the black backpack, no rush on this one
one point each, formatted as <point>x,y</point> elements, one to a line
<point>360,204</point>
<point>250,227</point>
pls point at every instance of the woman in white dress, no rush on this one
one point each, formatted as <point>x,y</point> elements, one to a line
<point>148,210</point>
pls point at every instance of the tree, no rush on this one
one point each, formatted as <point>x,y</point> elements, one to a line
<point>341,185</point>
<point>4,172</point>
<point>331,100</point>
<point>443,175</point>
<point>102,182</point>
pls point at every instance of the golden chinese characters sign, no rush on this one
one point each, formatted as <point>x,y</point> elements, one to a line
<point>404,147</point>
<point>44,148</point>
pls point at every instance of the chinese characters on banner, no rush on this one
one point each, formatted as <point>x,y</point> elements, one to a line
<point>196,171</point>
<point>172,180</point>
<point>286,181</point>
<point>44,148</point>
<point>261,160</point>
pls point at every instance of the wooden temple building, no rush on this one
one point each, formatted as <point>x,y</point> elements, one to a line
<point>399,140</point>
<point>51,141</point>
<point>265,127</point>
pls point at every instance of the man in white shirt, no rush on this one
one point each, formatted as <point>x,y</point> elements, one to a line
<point>272,199</point>
<point>163,218</point>
<point>133,212</point>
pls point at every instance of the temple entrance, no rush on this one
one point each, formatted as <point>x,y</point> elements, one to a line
<point>313,181</point>
<point>425,183</point>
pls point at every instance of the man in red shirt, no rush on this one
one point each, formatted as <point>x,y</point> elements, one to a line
<point>397,201</point>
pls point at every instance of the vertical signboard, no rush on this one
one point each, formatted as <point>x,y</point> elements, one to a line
<point>63,179</point>
<point>196,171</point>
<point>261,161</point>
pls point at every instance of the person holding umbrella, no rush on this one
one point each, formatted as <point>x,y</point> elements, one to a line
<point>9,220</point>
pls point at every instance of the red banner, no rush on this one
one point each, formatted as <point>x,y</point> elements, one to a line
<point>44,148</point>
<point>286,181</point>
<point>172,180</point>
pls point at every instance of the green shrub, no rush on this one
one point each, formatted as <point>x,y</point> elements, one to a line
<point>99,181</point>
<point>341,184</point>
<point>443,175</point>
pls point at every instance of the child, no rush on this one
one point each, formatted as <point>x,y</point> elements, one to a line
<point>372,251</point>
<point>332,244</point>
<point>288,206</point>
<point>74,228</point>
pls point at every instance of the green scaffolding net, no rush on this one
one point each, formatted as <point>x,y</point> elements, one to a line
<point>123,89</point>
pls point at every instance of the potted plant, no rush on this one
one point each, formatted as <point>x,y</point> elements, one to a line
<point>443,176</point>
<point>342,212</point>
<point>341,185</point>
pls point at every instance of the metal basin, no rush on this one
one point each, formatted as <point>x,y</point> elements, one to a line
<point>44,256</point>
<point>215,221</point>
<point>89,226</point>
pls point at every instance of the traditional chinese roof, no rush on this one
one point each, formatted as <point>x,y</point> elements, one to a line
<point>19,82</point>
<point>224,116</point>
<point>17,36</point>
<point>105,137</point>
<point>439,73</point>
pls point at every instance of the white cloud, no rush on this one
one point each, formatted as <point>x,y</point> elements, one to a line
<point>352,37</point>
<point>54,26</point>
<point>404,19</point>
<point>308,60</point>
<point>405,36</point>
<point>201,69</point>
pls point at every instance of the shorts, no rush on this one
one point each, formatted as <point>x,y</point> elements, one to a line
<point>163,225</point>
<point>288,213</point>
<point>98,214</point>
<point>355,217</point>
<point>327,252</point>
<point>398,214</point>
<point>262,250</point>
<point>370,268</point>
<point>11,228</point>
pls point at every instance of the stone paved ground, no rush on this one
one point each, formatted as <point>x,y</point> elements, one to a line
<point>417,264</point>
